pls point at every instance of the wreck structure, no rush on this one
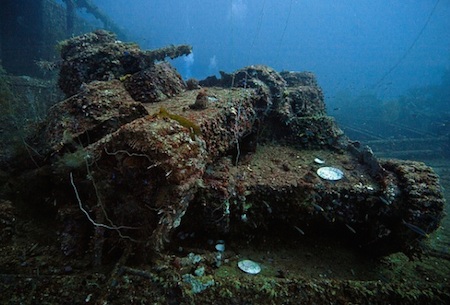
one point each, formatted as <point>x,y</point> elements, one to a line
<point>135,160</point>
<point>140,160</point>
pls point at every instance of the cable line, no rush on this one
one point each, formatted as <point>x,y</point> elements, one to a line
<point>408,50</point>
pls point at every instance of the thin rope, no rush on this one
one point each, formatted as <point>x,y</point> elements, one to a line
<point>378,83</point>
<point>258,29</point>
<point>285,27</point>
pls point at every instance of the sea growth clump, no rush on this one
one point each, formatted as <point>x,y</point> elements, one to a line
<point>201,101</point>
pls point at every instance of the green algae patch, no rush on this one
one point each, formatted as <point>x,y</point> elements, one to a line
<point>194,128</point>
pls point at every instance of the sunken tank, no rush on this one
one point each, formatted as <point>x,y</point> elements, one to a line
<point>134,166</point>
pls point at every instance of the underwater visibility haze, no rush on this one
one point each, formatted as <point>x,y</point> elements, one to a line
<point>347,44</point>
<point>361,52</point>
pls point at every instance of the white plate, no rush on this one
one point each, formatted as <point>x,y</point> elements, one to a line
<point>330,173</point>
<point>249,266</point>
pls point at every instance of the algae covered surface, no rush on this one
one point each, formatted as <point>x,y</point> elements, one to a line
<point>321,265</point>
<point>140,189</point>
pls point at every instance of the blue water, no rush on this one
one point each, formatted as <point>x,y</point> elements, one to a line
<point>350,45</point>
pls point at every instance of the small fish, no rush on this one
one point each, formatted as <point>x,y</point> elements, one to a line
<point>300,230</point>
<point>384,279</point>
<point>415,229</point>
<point>351,229</point>
<point>384,200</point>
<point>269,209</point>
<point>317,207</point>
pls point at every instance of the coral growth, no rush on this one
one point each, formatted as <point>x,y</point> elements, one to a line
<point>201,101</point>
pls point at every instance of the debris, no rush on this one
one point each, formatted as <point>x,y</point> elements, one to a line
<point>319,161</point>
<point>220,246</point>
<point>197,283</point>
